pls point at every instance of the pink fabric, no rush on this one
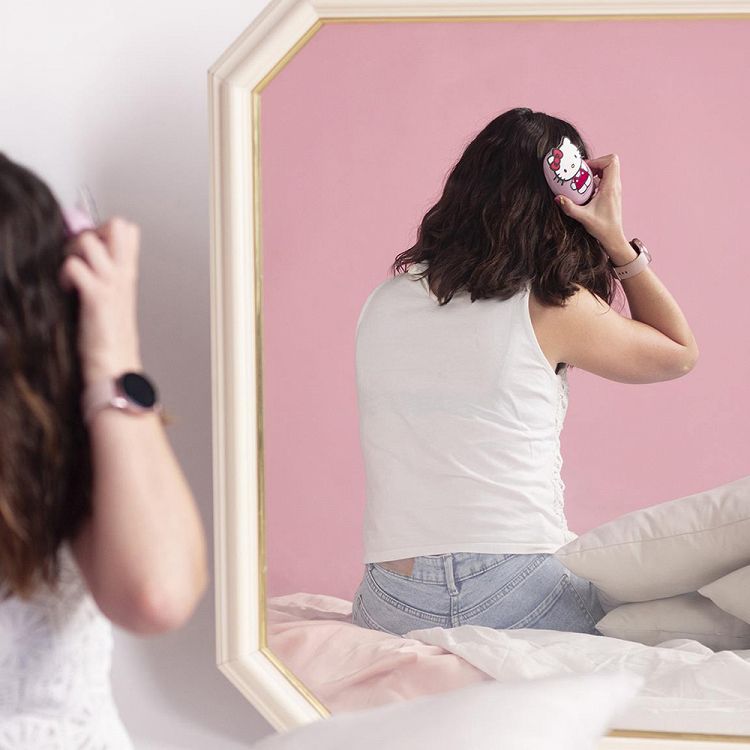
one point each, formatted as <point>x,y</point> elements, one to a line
<point>348,667</point>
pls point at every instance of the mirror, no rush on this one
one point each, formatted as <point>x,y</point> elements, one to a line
<point>331,139</point>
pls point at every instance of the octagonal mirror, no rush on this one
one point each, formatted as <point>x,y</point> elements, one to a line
<point>333,127</point>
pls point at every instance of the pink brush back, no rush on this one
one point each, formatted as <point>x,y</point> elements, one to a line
<point>76,220</point>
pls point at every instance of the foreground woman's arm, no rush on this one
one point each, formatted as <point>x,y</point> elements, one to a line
<point>142,552</point>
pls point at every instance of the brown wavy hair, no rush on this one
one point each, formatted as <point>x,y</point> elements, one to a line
<point>496,226</point>
<point>45,468</point>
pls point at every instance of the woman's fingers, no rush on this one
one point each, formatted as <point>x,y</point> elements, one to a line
<point>76,273</point>
<point>88,246</point>
<point>122,238</point>
<point>600,162</point>
<point>108,251</point>
<point>605,167</point>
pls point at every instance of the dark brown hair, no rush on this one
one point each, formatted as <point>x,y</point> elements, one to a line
<point>496,225</point>
<point>45,469</point>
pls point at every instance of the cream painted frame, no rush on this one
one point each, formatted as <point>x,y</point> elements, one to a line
<point>234,85</point>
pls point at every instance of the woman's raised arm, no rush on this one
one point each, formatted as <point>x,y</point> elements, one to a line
<point>142,551</point>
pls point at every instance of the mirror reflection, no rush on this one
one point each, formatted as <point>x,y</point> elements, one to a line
<point>505,437</point>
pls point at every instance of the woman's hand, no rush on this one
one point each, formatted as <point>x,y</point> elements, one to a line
<point>602,215</point>
<point>102,266</point>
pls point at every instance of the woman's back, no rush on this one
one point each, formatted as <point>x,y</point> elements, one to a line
<point>460,418</point>
<point>55,656</point>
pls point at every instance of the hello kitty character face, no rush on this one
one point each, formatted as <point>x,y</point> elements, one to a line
<point>565,160</point>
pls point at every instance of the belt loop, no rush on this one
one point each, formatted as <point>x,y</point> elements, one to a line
<point>450,582</point>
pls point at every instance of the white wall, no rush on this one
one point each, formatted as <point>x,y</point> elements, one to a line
<point>113,94</point>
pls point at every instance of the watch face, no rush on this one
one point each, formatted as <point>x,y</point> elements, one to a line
<point>641,248</point>
<point>138,389</point>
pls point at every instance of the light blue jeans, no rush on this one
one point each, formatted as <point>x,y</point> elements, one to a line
<point>473,588</point>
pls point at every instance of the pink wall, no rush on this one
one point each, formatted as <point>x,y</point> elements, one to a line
<point>358,134</point>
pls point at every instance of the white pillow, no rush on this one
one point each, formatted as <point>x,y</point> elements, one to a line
<point>685,616</point>
<point>731,593</point>
<point>567,713</point>
<point>667,549</point>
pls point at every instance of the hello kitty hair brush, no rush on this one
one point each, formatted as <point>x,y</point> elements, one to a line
<point>567,173</point>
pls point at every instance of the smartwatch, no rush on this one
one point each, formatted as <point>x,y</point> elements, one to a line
<point>133,392</point>
<point>636,265</point>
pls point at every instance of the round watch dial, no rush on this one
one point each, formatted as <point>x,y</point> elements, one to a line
<point>138,389</point>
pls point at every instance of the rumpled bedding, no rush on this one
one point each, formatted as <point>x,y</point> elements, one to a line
<point>348,667</point>
<point>688,687</point>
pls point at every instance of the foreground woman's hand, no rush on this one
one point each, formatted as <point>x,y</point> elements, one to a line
<point>102,266</point>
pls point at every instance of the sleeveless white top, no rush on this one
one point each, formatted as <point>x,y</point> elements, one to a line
<point>55,655</point>
<point>460,414</point>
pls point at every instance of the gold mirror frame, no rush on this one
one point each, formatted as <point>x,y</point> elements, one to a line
<point>235,83</point>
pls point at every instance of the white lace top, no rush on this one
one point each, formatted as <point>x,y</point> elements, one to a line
<point>460,419</point>
<point>55,657</point>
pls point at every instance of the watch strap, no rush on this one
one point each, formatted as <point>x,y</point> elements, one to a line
<point>635,266</point>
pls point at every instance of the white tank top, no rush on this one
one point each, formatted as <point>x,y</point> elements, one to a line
<point>460,414</point>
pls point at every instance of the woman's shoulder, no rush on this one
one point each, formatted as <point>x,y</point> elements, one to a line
<point>555,324</point>
<point>582,304</point>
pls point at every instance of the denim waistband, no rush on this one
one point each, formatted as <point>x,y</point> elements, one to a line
<point>458,566</point>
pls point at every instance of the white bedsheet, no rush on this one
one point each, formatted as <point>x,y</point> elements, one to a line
<point>688,687</point>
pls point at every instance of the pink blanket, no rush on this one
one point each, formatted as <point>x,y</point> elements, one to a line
<point>348,667</point>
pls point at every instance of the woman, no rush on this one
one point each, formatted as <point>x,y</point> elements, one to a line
<point>97,522</point>
<point>462,367</point>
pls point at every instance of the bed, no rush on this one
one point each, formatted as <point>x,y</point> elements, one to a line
<point>688,687</point>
